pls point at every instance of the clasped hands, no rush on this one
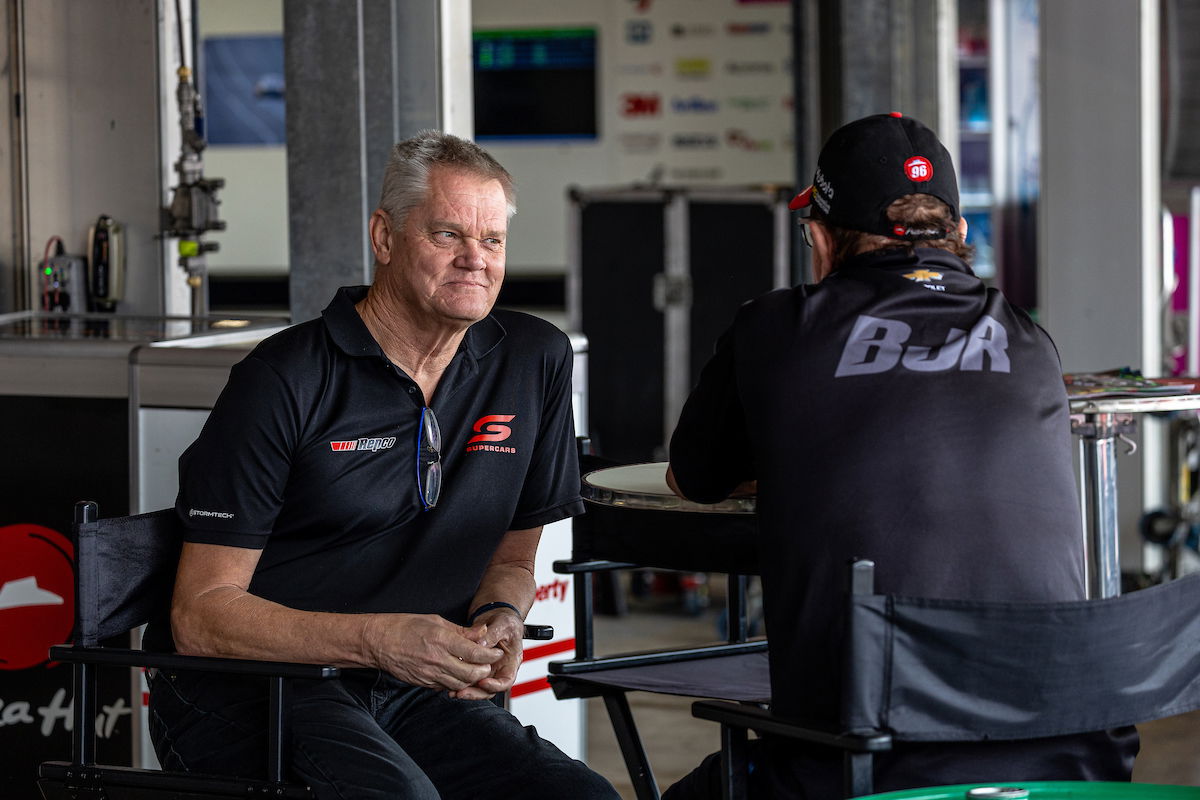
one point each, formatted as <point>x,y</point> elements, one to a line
<point>427,650</point>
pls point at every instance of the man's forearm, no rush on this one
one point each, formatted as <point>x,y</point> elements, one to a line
<point>506,583</point>
<point>228,621</point>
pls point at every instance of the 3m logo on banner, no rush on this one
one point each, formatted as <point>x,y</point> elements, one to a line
<point>639,105</point>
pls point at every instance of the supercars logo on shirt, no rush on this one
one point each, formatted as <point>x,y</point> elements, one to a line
<point>490,429</point>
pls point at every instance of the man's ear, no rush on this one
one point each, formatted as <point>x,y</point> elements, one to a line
<point>962,228</point>
<point>822,251</point>
<point>380,229</point>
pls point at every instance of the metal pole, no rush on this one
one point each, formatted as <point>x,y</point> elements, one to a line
<point>677,314</point>
<point>1193,340</point>
<point>1098,499</point>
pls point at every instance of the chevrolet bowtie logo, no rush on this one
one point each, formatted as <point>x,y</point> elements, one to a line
<point>923,275</point>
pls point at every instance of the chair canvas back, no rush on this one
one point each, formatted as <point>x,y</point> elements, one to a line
<point>950,670</point>
<point>125,574</point>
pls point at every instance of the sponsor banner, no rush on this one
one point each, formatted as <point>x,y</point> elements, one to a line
<point>695,141</point>
<point>646,68</point>
<point>747,28</point>
<point>693,30</point>
<point>750,67</point>
<point>37,610</point>
<point>695,104</point>
<point>639,31</point>
<point>559,721</point>
<point>637,143</point>
<point>645,104</point>
<point>744,103</point>
<point>723,93</point>
<point>693,68</point>
<point>740,139</point>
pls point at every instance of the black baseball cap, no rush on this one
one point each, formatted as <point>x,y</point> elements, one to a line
<point>869,163</point>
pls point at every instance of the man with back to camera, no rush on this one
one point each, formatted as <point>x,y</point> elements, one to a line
<point>897,410</point>
<point>331,517</point>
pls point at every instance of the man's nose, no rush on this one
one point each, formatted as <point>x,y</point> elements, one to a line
<point>472,254</point>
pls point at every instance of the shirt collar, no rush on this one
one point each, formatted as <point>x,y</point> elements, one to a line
<point>350,333</point>
<point>898,258</point>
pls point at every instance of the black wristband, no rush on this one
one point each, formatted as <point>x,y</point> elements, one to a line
<point>486,607</point>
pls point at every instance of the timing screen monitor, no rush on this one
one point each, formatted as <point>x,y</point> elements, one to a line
<point>535,83</point>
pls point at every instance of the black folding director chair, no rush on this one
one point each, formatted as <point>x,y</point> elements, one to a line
<point>125,574</point>
<point>926,670</point>
<point>606,539</point>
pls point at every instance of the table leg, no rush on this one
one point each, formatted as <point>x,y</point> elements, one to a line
<point>1098,500</point>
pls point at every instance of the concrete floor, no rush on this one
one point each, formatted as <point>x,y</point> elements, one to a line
<point>676,742</point>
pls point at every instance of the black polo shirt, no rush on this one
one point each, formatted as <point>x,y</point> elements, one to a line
<point>900,411</point>
<point>310,455</point>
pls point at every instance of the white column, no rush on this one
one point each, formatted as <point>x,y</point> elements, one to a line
<point>1099,229</point>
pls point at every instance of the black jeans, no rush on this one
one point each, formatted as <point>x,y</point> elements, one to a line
<point>364,736</point>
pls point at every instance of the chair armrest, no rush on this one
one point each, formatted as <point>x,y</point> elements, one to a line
<point>645,658</point>
<point>737,715</point>
<point>572,567</point>
<point>542,632</point>
<point>124,657</point>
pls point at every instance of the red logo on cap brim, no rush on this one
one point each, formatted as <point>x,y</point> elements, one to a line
<point>802,200</point>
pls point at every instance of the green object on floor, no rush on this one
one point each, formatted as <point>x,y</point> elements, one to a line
<point>1046,790</point>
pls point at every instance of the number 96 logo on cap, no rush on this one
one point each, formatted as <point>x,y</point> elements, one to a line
<point>918,169</point>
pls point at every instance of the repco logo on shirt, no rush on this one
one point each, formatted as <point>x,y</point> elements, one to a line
<point>490,429</point>
<point>369,443</point>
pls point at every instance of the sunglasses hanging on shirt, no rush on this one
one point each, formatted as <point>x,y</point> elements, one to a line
<point>429,459</point>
